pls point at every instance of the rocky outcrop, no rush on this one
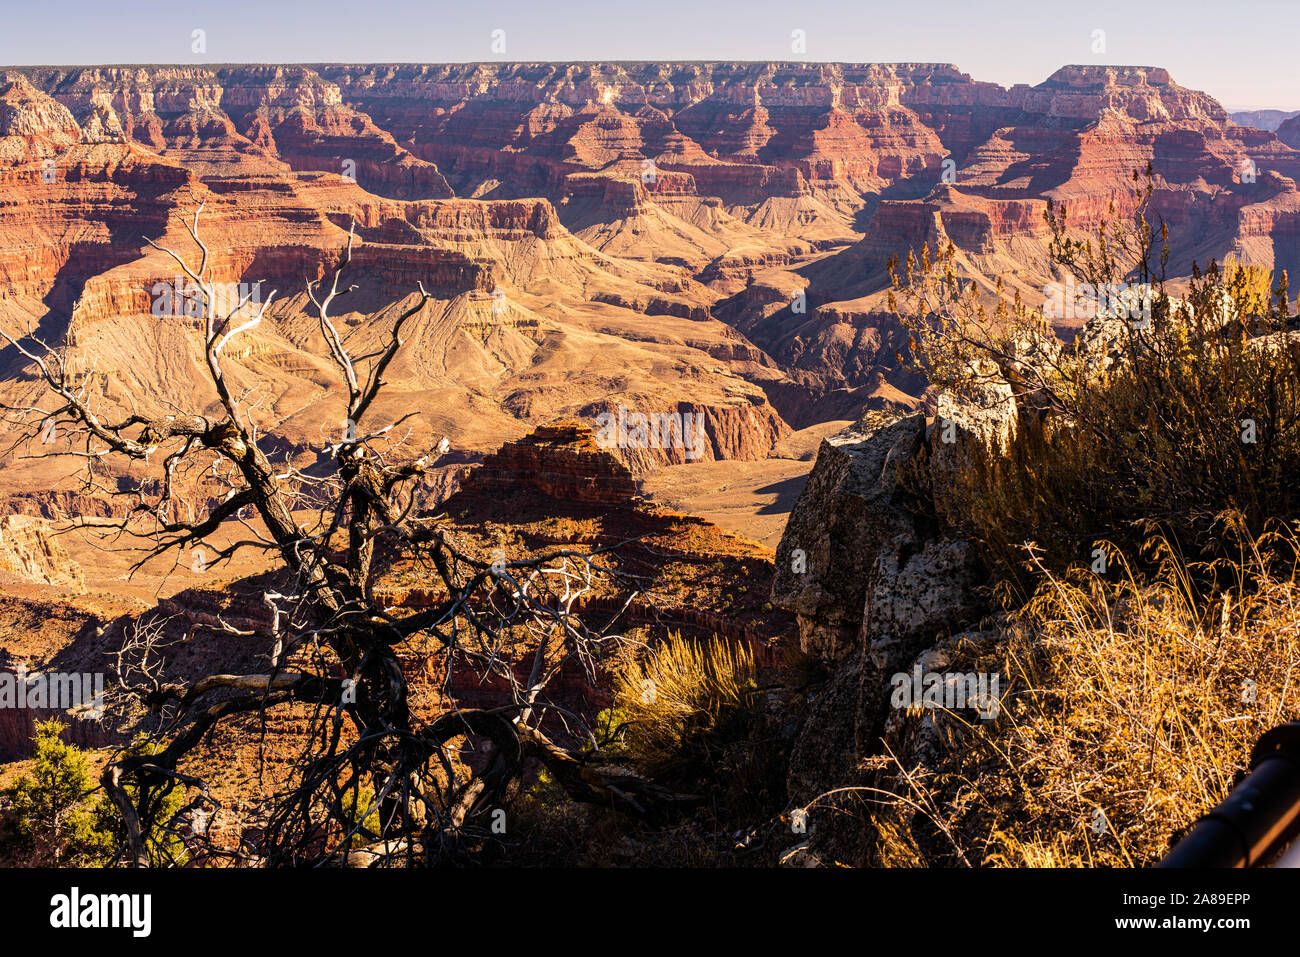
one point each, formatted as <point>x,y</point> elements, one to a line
<point>29,550</point>
<point>916,597</point>
<point>850,511</point>
<point>646,435</point>
<point>562,461</point>
<point>874,573</point>
<point>31,123</point>
<point>1288,131</point>
<point>862,562</point>
<point>984,418</point>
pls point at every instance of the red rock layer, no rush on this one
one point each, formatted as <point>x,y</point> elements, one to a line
<point>562,461</point>
<point>636,202</point>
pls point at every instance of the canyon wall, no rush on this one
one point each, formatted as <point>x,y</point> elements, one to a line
<point>706,237</point>
<point>30,550</point>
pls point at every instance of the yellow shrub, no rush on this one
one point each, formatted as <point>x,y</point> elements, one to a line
<point>1130,710</point>
<point>683,693</point>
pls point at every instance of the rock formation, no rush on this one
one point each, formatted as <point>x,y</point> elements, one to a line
<point>872,578</point>
<point>30,551</point>
<point>562,461</point>
<point>845,517</point>
<point>875,568</point>
<point>665,237</point>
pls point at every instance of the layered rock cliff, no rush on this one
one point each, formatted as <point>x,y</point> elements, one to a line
<point>706,237</point>
<point>30,550</point>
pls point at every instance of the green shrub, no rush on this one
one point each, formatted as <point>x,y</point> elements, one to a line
<point>52,821</point>
<point>157,808</point>
<point>361,796</point>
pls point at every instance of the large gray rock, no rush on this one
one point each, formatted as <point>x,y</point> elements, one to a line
<point>984,418</point>
<point>1126,324</point>
<point>846,515</point>
<point>913,734</point>
<point>918,597</point>
<point>873,583</point>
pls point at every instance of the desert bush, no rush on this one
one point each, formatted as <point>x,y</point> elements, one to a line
<point>1192,413</point>
<point>688,713</point>
<point>359,809</point>
<point>52,820</point>
<point>1128,710</point>
<point>683,699</point>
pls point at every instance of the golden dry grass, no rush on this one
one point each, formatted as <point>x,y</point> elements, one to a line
<point>1128,709</point>
<point>680,693</point>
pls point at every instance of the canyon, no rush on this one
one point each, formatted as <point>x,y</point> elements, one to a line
<point>706,238</point>
<point>701,243</point>
<point>704,244</point>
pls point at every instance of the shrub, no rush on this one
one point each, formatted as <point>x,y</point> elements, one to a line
<point>1128,710</point>
<point>360,814</point>
<point>687,713</point>
<point>1162,431</point>
<point>157,808</point>
<point>51,820</point>
<point>684,700</point>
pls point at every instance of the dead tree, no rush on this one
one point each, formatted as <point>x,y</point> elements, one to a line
<point>373,785</point>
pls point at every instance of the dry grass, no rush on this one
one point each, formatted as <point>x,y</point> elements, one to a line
<point>688,713</point>
<point>1127,711</point>
<point>682,694</point>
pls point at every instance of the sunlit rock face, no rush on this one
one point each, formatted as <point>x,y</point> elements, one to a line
<point>666,238</point>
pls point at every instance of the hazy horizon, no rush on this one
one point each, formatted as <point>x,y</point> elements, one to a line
<point>1004,41</point>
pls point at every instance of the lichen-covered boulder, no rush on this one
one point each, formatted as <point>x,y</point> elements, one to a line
<point>919,596</point>
<point>985,417</point>
<point>1125,323</point>
<point>846,514</point>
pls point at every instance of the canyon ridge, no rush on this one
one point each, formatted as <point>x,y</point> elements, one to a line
<point>705,239</point>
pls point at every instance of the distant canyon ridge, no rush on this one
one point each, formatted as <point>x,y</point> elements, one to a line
<point>668,238</point>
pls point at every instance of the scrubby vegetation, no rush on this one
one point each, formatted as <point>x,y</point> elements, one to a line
<point>682,700</point>
<point>1130,708</point>
<point>1150,424</point>
<point>691,715</point>
<point>57,816</point>
<point>1141,529</point>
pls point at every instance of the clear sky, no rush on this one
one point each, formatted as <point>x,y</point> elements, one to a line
<point>1244,52</point>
